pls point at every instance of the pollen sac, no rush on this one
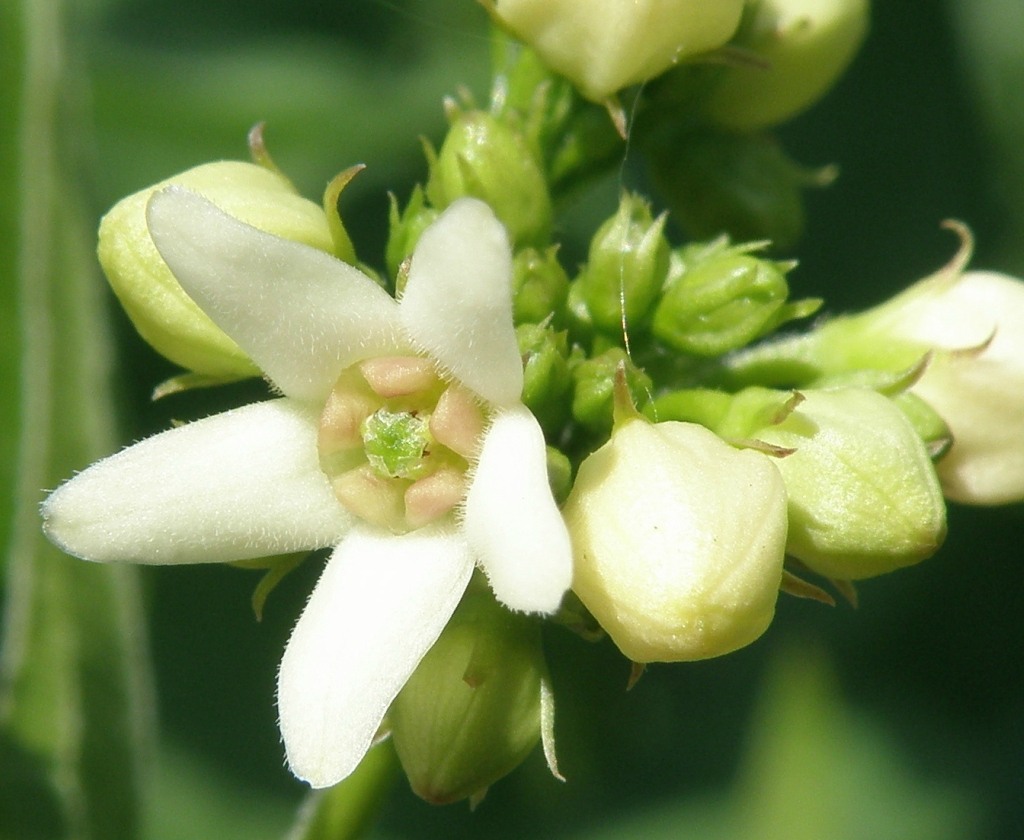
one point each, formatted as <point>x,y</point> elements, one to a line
<point>395,440</point>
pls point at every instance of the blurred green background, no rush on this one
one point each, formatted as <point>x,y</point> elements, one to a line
<point>901,719</point>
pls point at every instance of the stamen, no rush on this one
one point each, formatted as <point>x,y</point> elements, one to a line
<point>398,376</point>
<point>432,497</point>
<point>457,421</point>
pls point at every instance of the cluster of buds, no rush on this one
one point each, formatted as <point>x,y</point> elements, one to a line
<point>657,445</point>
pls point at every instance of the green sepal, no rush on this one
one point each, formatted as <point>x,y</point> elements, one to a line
<point>344,250</point>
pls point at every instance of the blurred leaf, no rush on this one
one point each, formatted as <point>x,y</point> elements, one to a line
<point>816,770</point>
<point>347,810</point>
<point>73,679</point>
<point>813,770</point>
<point>195,800</point>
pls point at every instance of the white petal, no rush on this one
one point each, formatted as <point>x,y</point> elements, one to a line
<point>300,314</point>
<point>238,485</point>
<point>381,602</point>
<point>511,519</point>
<point>457,304</point>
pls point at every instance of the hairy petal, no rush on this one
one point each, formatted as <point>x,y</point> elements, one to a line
<point>457,303</point>
<point>380,604</point>
<point>512,521</point>
<point>234,486</point>
<point>301,315</point>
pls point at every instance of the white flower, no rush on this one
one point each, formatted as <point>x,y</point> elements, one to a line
<point>975,381</point>
<point>278,476</point>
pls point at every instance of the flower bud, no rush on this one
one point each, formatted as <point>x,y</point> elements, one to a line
<point>970,327</point>
<point>744,185</point>
<point>605,45</point>
<point>470,713</point>
<point>724,303</point>
<point>539,286</point>
<point>678,541</point>
<point>594,388</point>
<point>158,307</point>
<point>805,46</point>
<point>487,158</point>
<point>863,495</point>
<point>546,376</point>
<point>628,263</point>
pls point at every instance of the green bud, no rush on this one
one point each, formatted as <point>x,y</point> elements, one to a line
<point>593,398</point>
<point>546,375</point>
<point>487,158</point>
<point>927,422</point>
<point>470,713</point>
<point>805,45</point>
<point>405,228</point>
<point>605,45</point>
<point>678,541</point>
<point>722,304</point>
<point>627,265</point>
<point>559,474</point>
<point>158,307</point>
<point>864,498</point>
<point>539,286</point>
<point>739,184</point>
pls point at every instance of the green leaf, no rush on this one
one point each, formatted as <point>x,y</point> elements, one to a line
<point>74,690</point>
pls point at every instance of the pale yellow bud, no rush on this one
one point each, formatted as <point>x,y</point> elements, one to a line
<point>678,541</point>
<point>156,304</point>
<point>605,45</point>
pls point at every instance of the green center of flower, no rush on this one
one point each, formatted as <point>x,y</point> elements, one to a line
<point>396,439</point>
<point>395,443</point>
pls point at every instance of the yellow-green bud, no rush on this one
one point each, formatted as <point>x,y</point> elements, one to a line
<point>487,158</point>
<point>678,541</point>
<point>470,713</point>
<point>546,375</point>
<point>539,286</point>
<point>594,388</point>
<point>864,498</point>
<point>806,45</point>
<point>627,265</point>
<point>722,304</point>
<point>158,307</point>
<point>605,45</point>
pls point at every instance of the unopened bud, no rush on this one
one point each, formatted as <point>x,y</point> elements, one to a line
<point>678,541</point>
<point>863,495</point>
<point>539,286</point>
<point>805,45</point>
<point>487,158</point>
<point>627,265</point>
<point>724,303</point>
<point>547,379</point>
<point>163,314</point>
<point>594,388</point>
<point>605,45</point>
<point>470,713</point>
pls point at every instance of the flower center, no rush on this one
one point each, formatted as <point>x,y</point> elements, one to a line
<point>395,440</point>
